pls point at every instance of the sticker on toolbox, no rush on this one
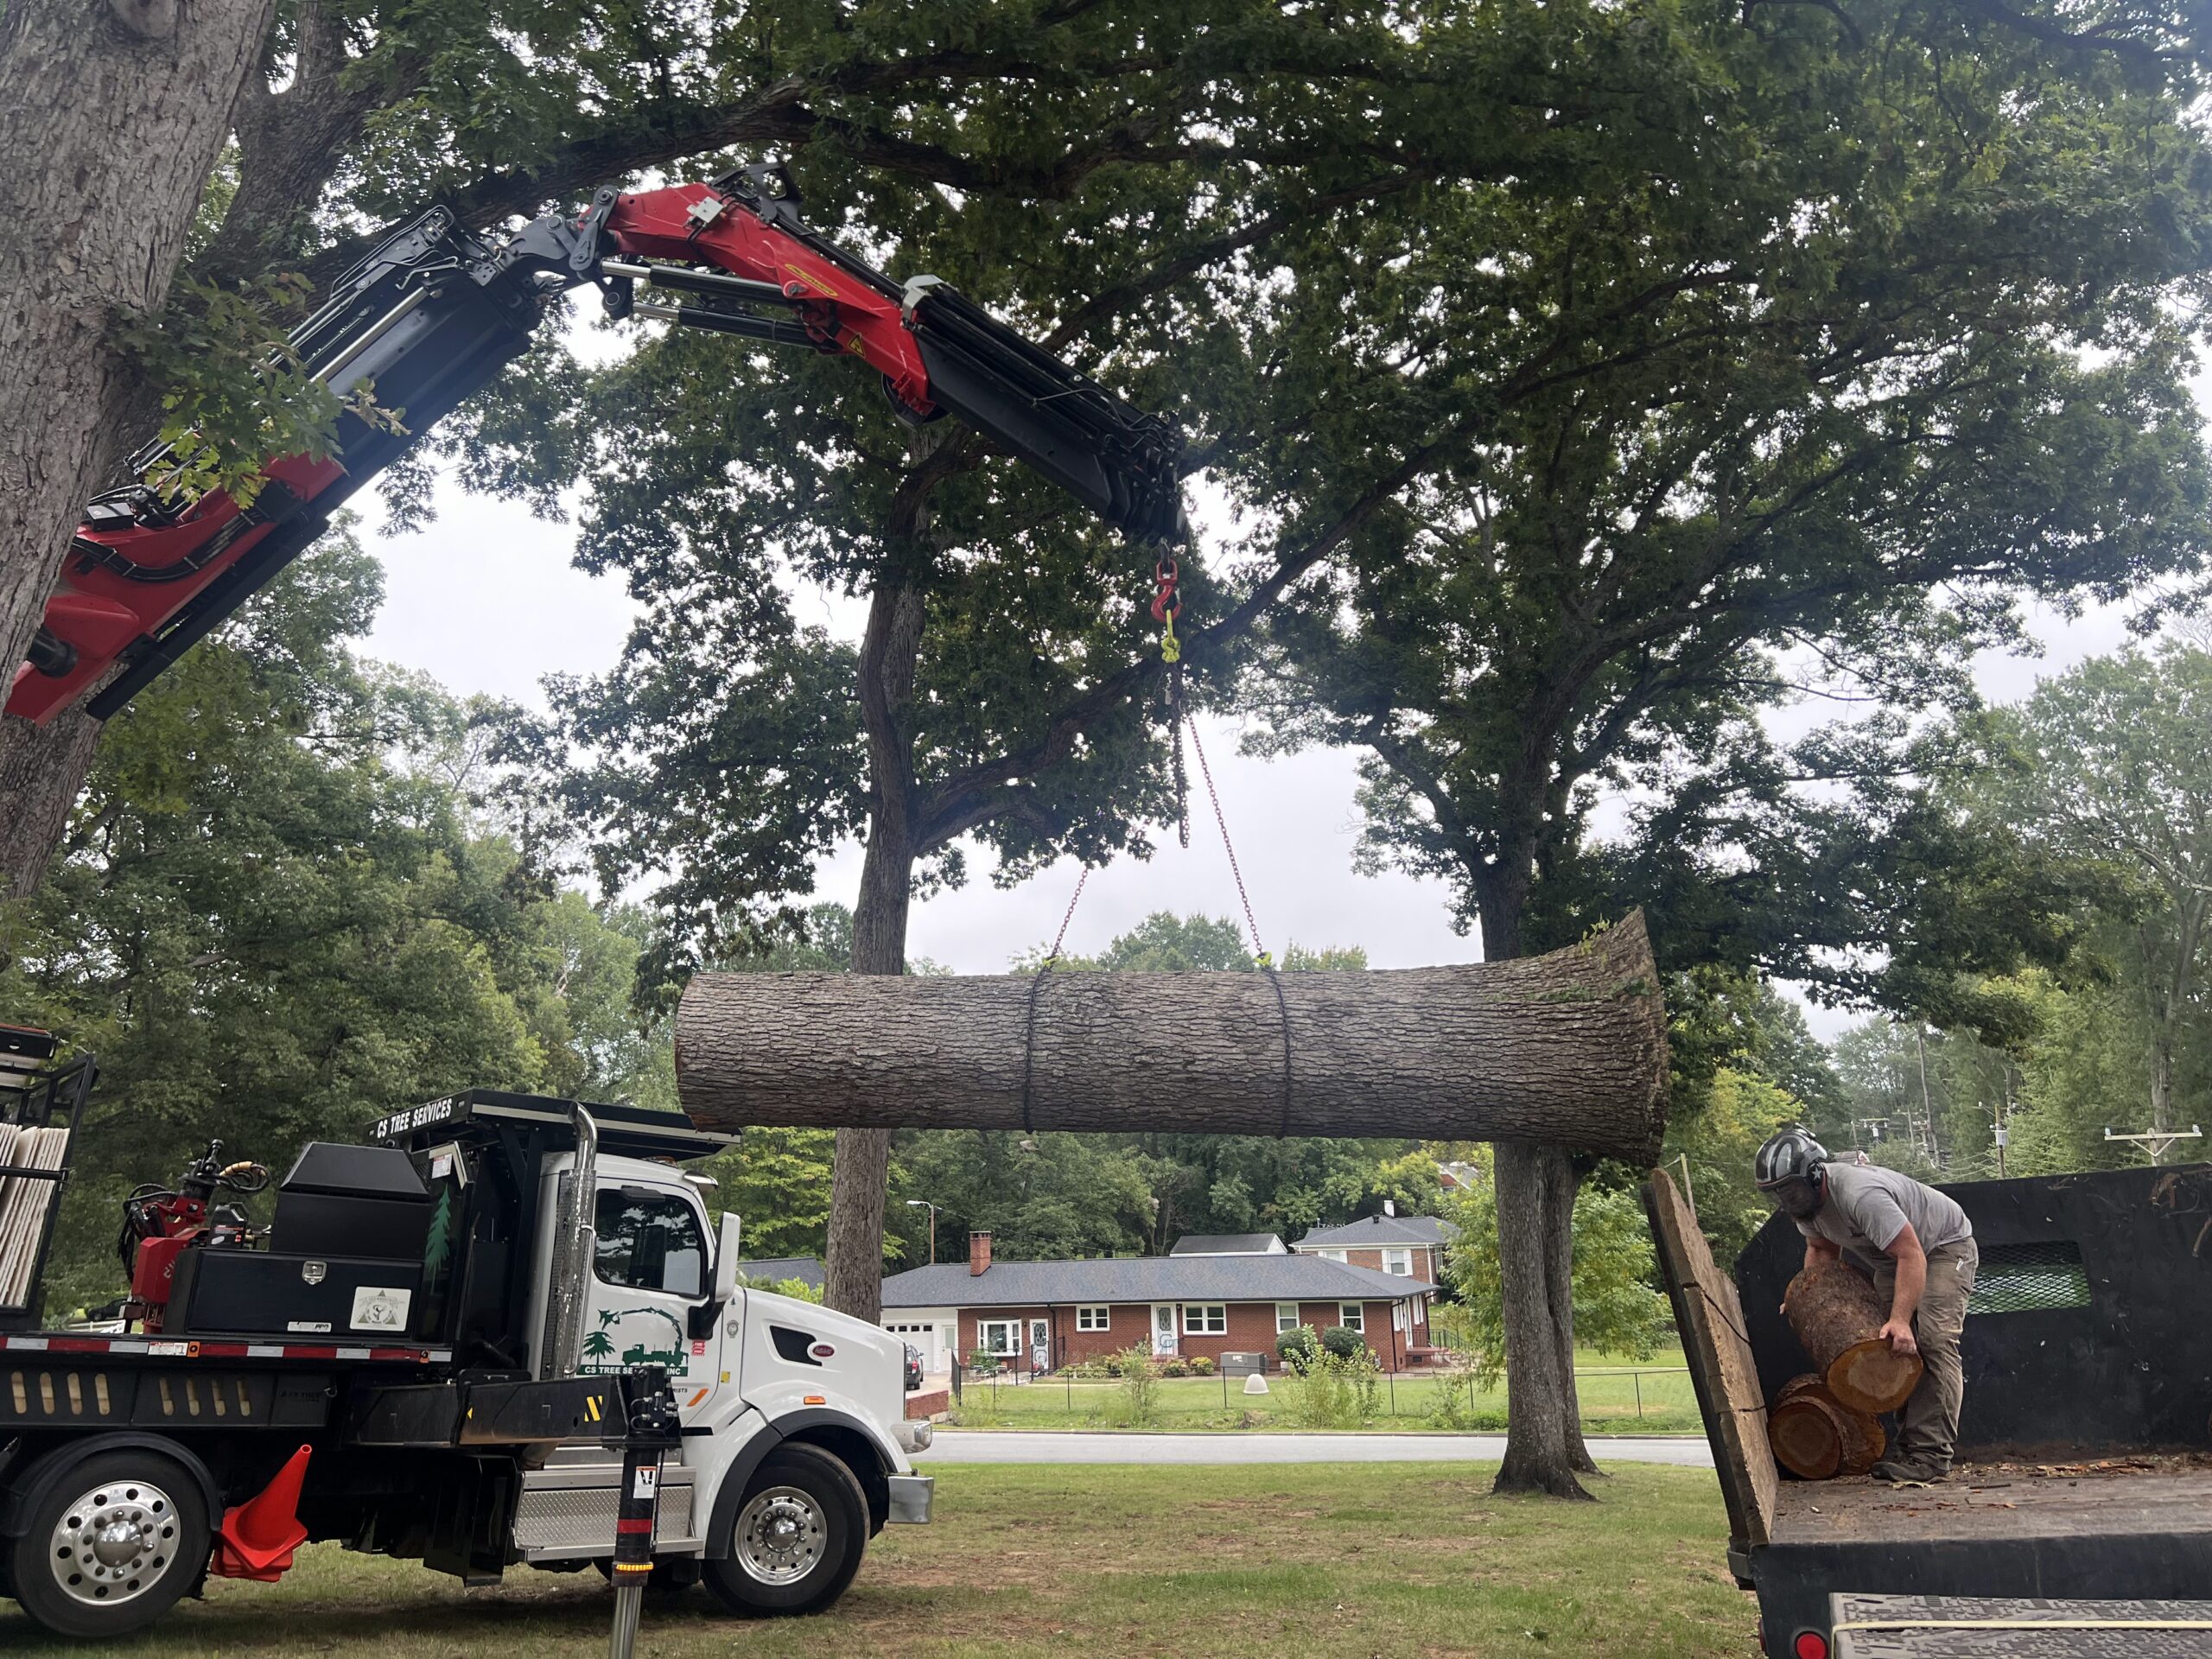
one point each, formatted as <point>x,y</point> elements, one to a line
<point>381,1307</point>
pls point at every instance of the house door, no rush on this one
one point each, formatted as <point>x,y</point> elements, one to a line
<point>1163,1329</point>
<point>1040,1345</point>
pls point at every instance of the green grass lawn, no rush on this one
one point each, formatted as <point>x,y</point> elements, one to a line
<point>1614,1401</point>
<point>1327,1559</point>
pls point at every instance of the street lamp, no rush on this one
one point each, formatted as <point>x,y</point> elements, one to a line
<point>923,1203</point>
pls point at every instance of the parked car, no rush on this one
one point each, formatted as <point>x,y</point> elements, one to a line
<point>913,1367</point>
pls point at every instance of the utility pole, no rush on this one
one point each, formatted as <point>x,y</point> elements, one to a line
<point>1927,1106</point>
<point>923,1203</point>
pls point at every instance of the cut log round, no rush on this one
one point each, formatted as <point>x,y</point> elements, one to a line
<point>1837,1313</point>
<point>1814,1435</point>
<point>1568,1048</point>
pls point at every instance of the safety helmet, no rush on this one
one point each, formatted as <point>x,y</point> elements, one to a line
<point>1790,1153</point>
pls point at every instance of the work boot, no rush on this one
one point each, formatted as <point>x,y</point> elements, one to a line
<point>1901,1469</point>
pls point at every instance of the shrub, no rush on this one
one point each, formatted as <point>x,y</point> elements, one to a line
<point>1174,1368</point>
<point>1201,1366</point>
<point>1139,1375</point>
<point>980,1361</point>
<point>1297,1348</point>
<point>1337,1391</point>
<point>1343,1341</point>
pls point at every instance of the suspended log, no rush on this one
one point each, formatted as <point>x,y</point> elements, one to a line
<point>1816,1436</point>
<point>1836,1313</point>
<point>1569,1047</point>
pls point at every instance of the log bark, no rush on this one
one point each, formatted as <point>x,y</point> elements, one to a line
<point>1568,1048</point>
<point>1816,1436</point>
<point>1836,1313</point>
<point>111,115</point>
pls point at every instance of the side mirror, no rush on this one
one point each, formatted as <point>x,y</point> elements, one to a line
<point>725,1260</point>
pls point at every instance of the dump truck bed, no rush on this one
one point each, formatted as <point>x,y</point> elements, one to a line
<point>2102,1522</point>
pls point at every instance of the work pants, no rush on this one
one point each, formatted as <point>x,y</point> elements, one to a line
<point>1928,1426</point>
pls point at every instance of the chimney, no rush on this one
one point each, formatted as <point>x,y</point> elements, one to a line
<point>1389,1206</point>
<point>979,1255</point>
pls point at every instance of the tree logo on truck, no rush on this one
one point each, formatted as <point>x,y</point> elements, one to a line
<point>635,1336</point>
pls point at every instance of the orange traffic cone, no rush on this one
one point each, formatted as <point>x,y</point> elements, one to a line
<point>257,1537</point>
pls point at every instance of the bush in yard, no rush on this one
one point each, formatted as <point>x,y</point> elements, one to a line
<point>1298,1348</point>
<point>1202,1366</point>
<point>1337,1391</point>
<point>1343,1341</point>
<point>1140,1375</point>
<point>1175,1367</point>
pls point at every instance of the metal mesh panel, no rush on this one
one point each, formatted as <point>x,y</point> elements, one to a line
<point>582,1519</point>
<point>2024,1278</point>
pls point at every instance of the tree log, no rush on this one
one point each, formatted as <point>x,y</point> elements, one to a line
<point>1568,1048</point>
<point>1836,1313</point>
<point>1816,1436</point>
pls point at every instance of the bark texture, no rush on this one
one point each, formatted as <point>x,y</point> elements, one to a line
<point>112,111</point>
<point>1817,1437</point>
<point>1836,1311</point>
<point>1568,1048</point>
<point>1543,1453</point>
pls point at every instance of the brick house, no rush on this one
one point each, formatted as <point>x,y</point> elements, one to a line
<point>1048,1314</point>
<point>1408,1247</point>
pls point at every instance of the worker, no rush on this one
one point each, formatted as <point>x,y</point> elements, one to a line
<point>1918,1246</point>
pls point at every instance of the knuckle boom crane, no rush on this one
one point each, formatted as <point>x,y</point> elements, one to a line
<point>434,312</point>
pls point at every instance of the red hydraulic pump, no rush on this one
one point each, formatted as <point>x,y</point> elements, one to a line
<point>435,312</point>
<point>160,1223</point>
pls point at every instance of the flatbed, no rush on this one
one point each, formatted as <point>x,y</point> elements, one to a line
<point>2086,1468</point>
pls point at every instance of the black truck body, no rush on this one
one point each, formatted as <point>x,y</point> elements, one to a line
<point>2086,1443</point>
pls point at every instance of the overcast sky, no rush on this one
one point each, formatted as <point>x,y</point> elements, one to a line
<point>485,600</point>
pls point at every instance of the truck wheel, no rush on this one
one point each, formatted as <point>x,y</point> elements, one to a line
<point>796,1540</point>
<point>111,1545</point>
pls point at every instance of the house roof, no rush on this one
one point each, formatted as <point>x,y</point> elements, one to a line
<point>1366,1234</point>
<point>774,1269</point>
<point>1146,1279</point>
<point>1228,1244</point>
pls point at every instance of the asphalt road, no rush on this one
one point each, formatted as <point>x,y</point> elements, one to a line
<point>1019,1445</point>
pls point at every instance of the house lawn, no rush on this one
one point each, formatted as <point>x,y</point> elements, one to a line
<point>1614,1401</point>
<point>1404,1558</point>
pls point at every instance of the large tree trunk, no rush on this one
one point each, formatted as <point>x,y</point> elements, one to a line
<point>1540,1450</point>
<point>1568,1048</point>
<point>890,649</point>
<point>110,114</point>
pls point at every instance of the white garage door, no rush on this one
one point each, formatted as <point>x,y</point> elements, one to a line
<point>929,1337</point>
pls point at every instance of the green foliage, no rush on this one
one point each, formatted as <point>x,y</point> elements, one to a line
<point>1298,1348</point>
<point>1616,1309</point>
<point>1741,1111</point>
<point>1342,1341</point>
<point>798,1289</point>
<point>1337,1390</point>
<point>1202,1365</point>
<point>276,916</point>
<point>1139,1394</point>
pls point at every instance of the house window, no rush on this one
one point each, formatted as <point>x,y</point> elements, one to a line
<point>649,1241</point>
<point>1333,1255</point>
<point>1094,1319</point>
<point>1352,1315</point>
<point>1398,1261</point>
<point>1286,1317</point>
<point>999,1338</point>
<point>1204,1320</point>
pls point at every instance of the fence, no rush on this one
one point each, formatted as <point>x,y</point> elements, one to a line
<point>1606,1393</point>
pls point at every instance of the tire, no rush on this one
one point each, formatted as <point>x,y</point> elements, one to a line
<point>110,1544</point>
<point>797,1538</point>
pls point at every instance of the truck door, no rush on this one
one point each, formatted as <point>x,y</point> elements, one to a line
<point>650,1274</point>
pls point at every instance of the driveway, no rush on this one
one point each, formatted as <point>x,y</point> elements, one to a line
<point>1021,1445</point>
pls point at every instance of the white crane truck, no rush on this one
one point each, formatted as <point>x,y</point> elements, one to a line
<point>421,1357</point>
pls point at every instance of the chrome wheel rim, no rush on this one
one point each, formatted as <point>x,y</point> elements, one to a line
<point>781,1535</point>
<point>116,1543</point>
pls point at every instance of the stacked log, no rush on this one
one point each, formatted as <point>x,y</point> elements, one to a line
<point>1817,1437</point>
<point>1838,1315</point>
<point>1568,1048</point>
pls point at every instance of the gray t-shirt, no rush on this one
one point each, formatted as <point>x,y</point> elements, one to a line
<point>1866,1209</point>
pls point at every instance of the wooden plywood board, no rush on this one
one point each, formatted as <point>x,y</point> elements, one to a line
<point>1711,1321</point>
